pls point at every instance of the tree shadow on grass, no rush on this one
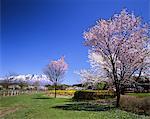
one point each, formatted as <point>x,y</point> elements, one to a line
<point>42,98</point>
<point>84,106</point>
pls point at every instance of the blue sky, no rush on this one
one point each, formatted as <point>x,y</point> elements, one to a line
<point>33,32</point>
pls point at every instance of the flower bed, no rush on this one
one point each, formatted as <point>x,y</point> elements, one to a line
<point>63,92</point>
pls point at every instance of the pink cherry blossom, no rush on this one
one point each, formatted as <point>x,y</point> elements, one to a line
<point>55,71</point>
<point>122,42</point>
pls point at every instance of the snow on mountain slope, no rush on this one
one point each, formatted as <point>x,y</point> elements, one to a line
<point>30,78</point>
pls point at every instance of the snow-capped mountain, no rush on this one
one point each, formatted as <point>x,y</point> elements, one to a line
<point>30,78</point>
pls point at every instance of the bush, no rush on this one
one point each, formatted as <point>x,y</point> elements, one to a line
<point>135,104</point>
<point>101,86</point>
<point>92,95</point>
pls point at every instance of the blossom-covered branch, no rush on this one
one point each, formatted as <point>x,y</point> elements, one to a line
<point>122,46</point>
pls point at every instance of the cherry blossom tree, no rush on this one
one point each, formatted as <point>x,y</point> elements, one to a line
<point>122,46</point>
<point>88,76</point>
<point>55,71</point>
<point>94,75</point>
<point>92,79</point>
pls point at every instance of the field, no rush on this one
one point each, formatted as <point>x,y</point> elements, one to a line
<point>39,106</point>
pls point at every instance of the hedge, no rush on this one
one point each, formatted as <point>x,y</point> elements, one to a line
<point>93,95</point>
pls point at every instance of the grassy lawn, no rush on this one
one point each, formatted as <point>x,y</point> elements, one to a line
<point>38,106</point>
<point>139,94</point>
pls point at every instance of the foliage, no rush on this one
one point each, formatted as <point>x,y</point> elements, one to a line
<point>101,85</point>
<point>59,87</point>
<point>92,79</point>
<point>119,47</point>
<point>93,95</point>
<point>36,84</point>
<point>143,82</point>
<point>56,70</point>
<point>135,104</point>
<point>89,77</point>
<point>22,84</point>
<point>8,80</point>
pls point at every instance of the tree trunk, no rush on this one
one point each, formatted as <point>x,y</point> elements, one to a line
<point>118,97</point>
<point>117,84</point>
<point>122,90</point>
<point>55,89</point>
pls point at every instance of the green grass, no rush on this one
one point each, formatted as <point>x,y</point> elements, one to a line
<point>139,94</point>
<point>38,106</point>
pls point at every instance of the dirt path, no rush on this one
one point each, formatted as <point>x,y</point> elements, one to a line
<point>9,110</point>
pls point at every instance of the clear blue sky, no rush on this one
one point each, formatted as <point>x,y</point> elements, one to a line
<point>33,32</point>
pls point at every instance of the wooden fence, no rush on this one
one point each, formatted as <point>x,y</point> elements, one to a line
<point>16,92</point>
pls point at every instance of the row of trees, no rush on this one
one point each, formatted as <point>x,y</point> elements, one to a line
<point>10,80</point>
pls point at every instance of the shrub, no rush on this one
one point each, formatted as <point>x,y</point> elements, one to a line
<point>92,95</point>
<point>135,104</point>
<point>100,86</point>
<point>59,87</point>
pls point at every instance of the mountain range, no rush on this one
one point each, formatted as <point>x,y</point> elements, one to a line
<point>29,78</point>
